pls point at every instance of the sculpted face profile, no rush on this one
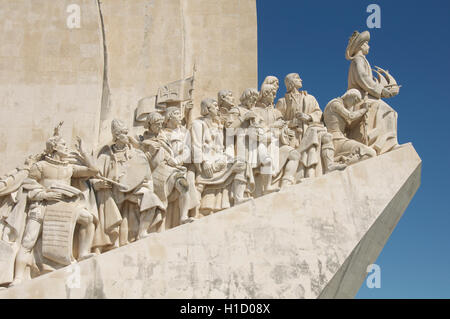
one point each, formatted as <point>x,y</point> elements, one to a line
<point>248,98</point>
<point>273,81</point>
<point>293,82</point>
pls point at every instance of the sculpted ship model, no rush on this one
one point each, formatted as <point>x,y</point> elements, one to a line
<point>64,206</point>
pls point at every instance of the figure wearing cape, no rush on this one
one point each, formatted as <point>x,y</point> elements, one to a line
<point>379,129</point>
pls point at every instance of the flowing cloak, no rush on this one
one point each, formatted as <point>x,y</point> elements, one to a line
<point>109,200</point>
<point>310,147</point>
<point>13,202</point>
<point>280,154</point>
<point>379,130</point>
<point>175,144</point>
<point>238,145</point>
<point>207,145</point>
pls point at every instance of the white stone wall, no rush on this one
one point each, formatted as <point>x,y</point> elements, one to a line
<point>51,73</point>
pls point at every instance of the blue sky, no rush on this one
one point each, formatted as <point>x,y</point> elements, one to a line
<point>413,43</point>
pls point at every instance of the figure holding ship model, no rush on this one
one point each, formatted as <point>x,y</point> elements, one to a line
<point>379,128</point>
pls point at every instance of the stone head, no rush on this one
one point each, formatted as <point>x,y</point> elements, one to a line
<point>272,80</point>
<point>209,106</point>
<point>293,81</point>
<point>267,94</point>
<point>119,131</point>
<point>56,145</point>
<point>154,122</point>
<point>173,116</point>
<point>352,97</point>
<point>249,98</point>
<point>225,98</point>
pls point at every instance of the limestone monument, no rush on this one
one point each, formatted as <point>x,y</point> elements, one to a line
<point>262,199</point>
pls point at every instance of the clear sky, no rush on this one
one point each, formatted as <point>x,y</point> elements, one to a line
<point>413,43</point>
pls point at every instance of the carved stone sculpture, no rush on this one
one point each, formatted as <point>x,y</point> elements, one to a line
<point>127,202</point>
<point>304,116</point>
<point>339,117</point>
<point>379,128</point>
<point>168,150</point>
<point>282,164</point>
<point>13,200</point>
<point>55,207</point>
<point>63,206</point>
<point>216,172</point>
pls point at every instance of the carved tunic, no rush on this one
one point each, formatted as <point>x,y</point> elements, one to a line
<point>338,119</point>
<point>360,77</point>
<point>294,102</point>
<point>208,146</point>
<point>380,128</point>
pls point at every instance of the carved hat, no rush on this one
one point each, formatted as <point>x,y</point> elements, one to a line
<point>118,127</point>
<point>355,42</point>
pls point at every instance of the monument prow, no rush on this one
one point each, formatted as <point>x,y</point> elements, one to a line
<point>311,240</point>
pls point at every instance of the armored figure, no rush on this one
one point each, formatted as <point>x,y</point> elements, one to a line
<point>55,208</point>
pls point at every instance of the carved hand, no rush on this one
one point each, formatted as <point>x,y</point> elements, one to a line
<point>189,104</point>
<point>172,162</point>
<point>303,117</point>
<point>279,124</point>
<point>386,93</point>
<point>208,169</point>
<point>102,185</point>
<point>79,145</point>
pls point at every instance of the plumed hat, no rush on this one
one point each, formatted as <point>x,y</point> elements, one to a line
<point>355,42</point>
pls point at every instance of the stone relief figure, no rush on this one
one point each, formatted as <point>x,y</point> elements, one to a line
<point>277,158</point>
<point>299,108</point>
<point>273,81</point>
<point>13,199</point>
<point>168,150</point>
<point>55,207</point>
<point>225,101</point>
<point>125,196</point>
<point>237,142</point>
<point>304,116</point>
<point>339,116</point>
<point>248,101</point>
<point>216,171</point>
<point>379,128</point>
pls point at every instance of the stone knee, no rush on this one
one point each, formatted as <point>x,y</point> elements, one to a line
<point>294,156</point>
<point>31,234</point>
<point>85,218</point>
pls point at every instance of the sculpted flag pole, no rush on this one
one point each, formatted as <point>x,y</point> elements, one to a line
<point>177,93</point>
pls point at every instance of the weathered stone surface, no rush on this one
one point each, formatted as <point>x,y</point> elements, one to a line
<point>52,73</point>
<point>314,239</point>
